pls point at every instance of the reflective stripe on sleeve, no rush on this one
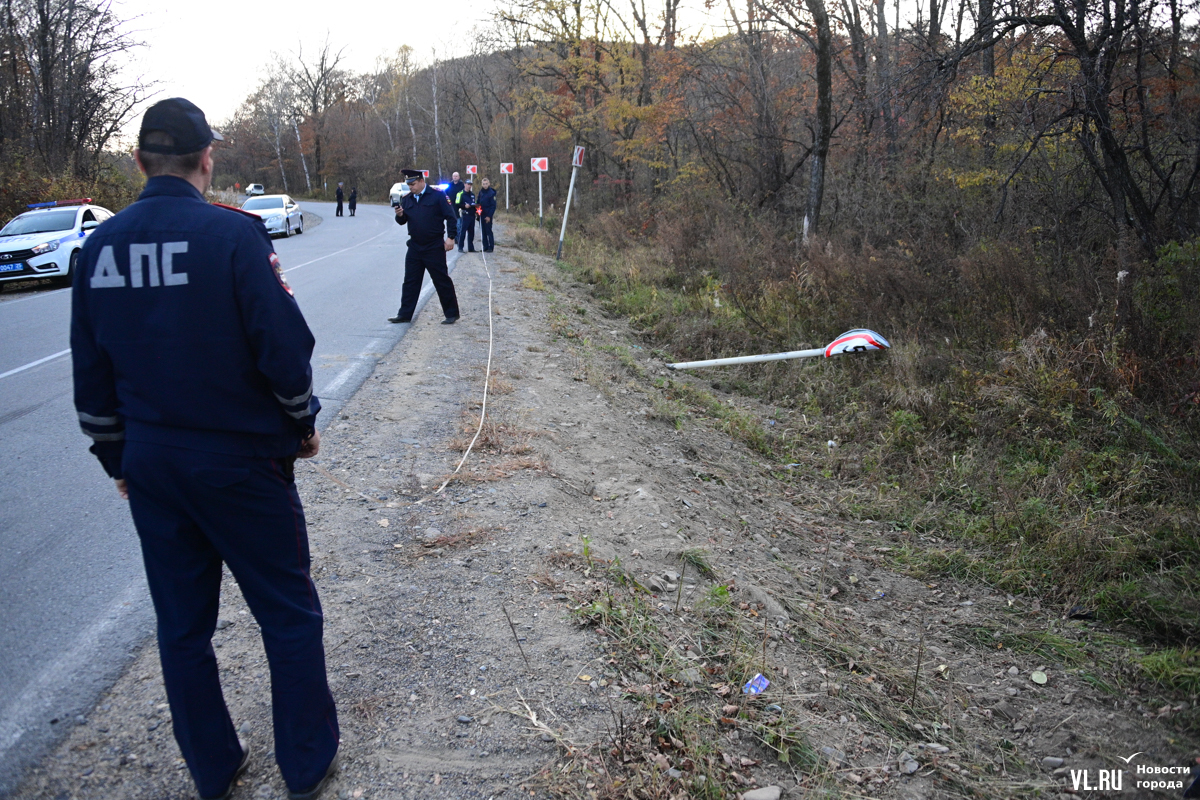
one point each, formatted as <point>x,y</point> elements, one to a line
<point>295,401</point>
<point>86,417</point>
<point>119,436</point>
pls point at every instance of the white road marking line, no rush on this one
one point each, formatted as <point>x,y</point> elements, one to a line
<point>372,352</point>
<point>331,255</point>
<point>33,364</point>
<point>43,692</point>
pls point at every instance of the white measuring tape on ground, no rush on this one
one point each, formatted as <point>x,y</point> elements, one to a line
<point>487,379</point>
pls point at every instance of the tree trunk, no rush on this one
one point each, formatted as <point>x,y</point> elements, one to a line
<point>987,59</point>
<point>303,160</point>
<point>437,131</point>
<point>275,126</point>
<point>824,54</point>
<point>885,79</point>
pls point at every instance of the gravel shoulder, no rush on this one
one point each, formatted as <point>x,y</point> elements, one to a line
<point>453,632</point>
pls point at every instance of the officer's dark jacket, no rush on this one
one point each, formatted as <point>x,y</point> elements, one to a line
<point>466,198</point>
<point>487,201</point>
<point>452,192</point>
<point>426,217</point>
<point>184,332</point>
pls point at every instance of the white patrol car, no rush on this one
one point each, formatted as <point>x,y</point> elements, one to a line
<point>45,241</point>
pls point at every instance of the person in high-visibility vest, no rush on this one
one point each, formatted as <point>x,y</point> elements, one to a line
<point>466,225</point>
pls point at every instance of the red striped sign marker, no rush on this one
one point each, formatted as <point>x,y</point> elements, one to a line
<point>859,340</point>
<point>506,169</point>
<point>539,165</point>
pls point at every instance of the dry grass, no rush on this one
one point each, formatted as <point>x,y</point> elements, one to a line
<point>1056,458</point>
<point>498,386</point>
<point>485,473</point>
<point>496,436</point>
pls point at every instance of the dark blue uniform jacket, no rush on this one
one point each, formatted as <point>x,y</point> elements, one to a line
<point>425,219</point>
<point>452,192</point>
<point>185,333</point>
<point>487,201</point>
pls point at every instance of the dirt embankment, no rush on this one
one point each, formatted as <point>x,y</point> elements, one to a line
<point>453,630</point>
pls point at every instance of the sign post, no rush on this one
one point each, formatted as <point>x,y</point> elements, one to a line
<point>539,165</point>
<point>576,163</point>
<point>506,168</point>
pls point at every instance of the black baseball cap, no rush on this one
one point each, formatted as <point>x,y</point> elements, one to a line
<point>183,122</point>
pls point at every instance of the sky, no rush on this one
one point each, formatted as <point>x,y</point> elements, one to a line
<point>214,53</point>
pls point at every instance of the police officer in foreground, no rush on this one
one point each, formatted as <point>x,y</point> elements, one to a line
<point>426,212</point>
<point>192,376</point>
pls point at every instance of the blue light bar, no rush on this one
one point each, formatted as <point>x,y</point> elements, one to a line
<point>56,203</point>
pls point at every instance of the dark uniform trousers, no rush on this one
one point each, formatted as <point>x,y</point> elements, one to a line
<point>194,510</point>
<point>489,241</point>
<point>416,262</point>
<point>466,231</point>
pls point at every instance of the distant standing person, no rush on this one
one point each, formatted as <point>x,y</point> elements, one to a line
<point>487,207</point>
<point>353,199</point>
<point>453,190</point>
<point>193,379</point>
<point>340,196</point>
<point>466,223</point>
<point>426,212</point>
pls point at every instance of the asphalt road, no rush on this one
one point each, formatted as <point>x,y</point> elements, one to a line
<point>72,592</point>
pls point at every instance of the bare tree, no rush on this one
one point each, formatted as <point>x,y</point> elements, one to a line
<point>319,84</point>
<point>62,95</point>
<point>821,44</point>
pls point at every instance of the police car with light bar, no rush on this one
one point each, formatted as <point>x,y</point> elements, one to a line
<point>44,242</point>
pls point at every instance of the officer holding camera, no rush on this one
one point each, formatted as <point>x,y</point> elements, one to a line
<point>425,211</point>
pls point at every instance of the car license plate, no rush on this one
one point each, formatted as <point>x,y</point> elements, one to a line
<point>12,267</point>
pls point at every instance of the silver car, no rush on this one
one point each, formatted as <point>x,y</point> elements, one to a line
<point>280,213</point>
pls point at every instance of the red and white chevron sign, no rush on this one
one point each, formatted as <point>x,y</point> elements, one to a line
<point>539,165</point>
<point>472,169</point>
<point>506,168</point>
<point>577,159</point>
<point>858,340</point>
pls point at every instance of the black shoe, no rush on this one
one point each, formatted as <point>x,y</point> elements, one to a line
<point>449,320</point>
<point>399,319</point>
<point>315,792</point>
<point>241,770</point>
<point>472,250</point>
<point>460,249</point>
